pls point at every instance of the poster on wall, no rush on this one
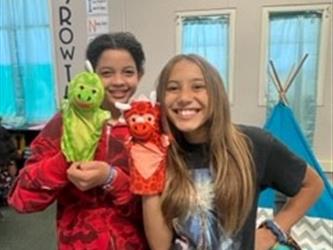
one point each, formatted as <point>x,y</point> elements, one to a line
<point>97,18</point>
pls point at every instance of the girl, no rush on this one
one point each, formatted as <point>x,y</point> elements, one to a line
<point>216,170</point>
<point>95,209</point>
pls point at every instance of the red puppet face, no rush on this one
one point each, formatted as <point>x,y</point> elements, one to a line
<point>143,119</point>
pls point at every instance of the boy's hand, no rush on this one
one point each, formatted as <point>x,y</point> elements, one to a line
<point>87,175</point>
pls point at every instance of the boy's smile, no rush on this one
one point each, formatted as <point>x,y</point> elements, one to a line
<point>119,75</point>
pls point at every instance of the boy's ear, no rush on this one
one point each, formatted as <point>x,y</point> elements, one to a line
<point>141,75</point>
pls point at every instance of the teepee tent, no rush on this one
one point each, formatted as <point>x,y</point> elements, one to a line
<point>315,229</point>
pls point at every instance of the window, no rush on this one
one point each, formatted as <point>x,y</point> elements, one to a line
<point>27,94</point>
<point>211,35</point>
<point>289,33</point>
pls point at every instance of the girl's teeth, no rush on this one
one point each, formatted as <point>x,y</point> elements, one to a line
<point>186,112</point>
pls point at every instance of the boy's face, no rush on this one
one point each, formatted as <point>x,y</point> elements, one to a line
<point>186,100</point>
<point>119,74</point>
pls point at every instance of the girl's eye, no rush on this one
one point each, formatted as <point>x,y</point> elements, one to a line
<point>171,87</point>
<point>81,87</point>
<point>199,86</point>
<point>94,91</point>
<point>133,119</point>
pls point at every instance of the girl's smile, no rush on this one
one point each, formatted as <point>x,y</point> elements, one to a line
<point>186,114</point>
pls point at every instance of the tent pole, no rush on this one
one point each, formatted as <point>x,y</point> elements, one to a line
<point>295,73</point>
<point>278,84</point>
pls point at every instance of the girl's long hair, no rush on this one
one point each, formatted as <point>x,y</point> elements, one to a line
<point>230,156</point>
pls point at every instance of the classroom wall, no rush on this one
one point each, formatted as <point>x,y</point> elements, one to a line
<point>153,23</point>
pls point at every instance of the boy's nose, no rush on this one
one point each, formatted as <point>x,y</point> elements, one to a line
<point>117,79</point>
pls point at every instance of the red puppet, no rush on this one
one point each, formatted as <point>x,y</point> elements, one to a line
<point>147,146</point>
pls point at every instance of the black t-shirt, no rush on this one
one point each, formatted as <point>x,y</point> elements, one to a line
<point>276,167</point>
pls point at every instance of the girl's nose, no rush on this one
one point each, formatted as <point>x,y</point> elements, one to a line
<point>185,96</point>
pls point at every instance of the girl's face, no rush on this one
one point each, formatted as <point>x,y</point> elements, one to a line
<point>119,74</point>
<point>186,100</point>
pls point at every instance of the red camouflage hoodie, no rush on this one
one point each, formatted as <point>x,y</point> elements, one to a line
<point>95,219</point>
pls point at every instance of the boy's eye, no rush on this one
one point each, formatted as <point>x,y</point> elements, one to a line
<point>105,73</point>
<point>129,72</point>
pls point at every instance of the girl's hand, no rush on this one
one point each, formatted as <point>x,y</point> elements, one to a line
<point>264,239</point>
<point>87,175</point>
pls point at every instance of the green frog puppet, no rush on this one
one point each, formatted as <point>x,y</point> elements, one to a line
<point>83,118</point>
